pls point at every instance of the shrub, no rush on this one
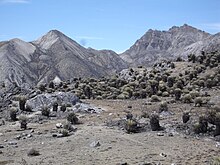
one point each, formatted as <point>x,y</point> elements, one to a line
<point>55,106</point>
<point>163,106</point>
<point>51,85</point>
<point>155,98</point>
<point>131,126</point>
<point>68,126</point>
<point>64,133</point>
<point>13,114</point>
<point>154,122</point>
<point>177,93</point>
<point>23,122</point>
<point>33,152</point>
<point>185,117</point>
<point>42,87</point>
<point>202,126</point>
<point>187,98</point>
<point>63,108</point>
<point>22,102</point>
<point>198,101</point>
<point>45,111</point>
<point>72,118</point>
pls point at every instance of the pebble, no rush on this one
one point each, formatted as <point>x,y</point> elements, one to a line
<point>29,135</point>
<point>1,152</point>
<point>59,135</point>
<point>59,125</point>
<point>12,143</point>
<point>170,134</point>
<point>54,135</point>
<point>217,144</point>
<point>1,146</point>
<point>163,154</point>
<point>160,134</point>
<point>95,144</point>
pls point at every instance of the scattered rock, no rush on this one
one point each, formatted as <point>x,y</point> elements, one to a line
<point>12,143</point>
<point>160,134</point>
<point>59,125</point>
<point>163,154</point>
<point>170,134</point>
<point>33,152</point>
<point>49,98</point>
<point>95,144</point>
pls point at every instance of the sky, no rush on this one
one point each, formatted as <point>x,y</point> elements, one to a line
<point>104,24</point>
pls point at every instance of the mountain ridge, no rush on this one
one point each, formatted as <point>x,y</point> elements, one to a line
<point>56,55</point>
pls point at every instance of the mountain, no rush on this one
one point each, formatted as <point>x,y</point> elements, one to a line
<point>53,55</point>
<point>177,41</point>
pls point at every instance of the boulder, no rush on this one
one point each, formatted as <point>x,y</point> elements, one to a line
<point>49,98</point>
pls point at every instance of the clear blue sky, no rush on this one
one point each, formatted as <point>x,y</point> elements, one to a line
<point>104,24</point>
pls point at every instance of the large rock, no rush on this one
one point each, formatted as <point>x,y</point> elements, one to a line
<point>48,99</point>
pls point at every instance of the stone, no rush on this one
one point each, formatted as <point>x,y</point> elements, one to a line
<point>29,135</point>
<point>59,125</point>
<point>95,144</point>
<point>49,98</point>
<point>160,134</point>
<point>59,135</point>
<point>1,146</point>
<point>12,143</point>
<point>170,134</point>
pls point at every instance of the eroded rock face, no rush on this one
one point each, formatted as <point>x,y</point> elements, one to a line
<point>48,99</point>
<point>181,41</point>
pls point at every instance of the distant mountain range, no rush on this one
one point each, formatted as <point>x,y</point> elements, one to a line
<point>56,55</point>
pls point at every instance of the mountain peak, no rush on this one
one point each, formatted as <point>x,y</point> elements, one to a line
<point>55,32</point>
<point>49,39</point>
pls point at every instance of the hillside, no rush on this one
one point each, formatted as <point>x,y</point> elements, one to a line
<point>180,41</point>
<point>54,55</point>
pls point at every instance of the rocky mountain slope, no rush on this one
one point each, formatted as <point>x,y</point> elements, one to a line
<point>56,55</point>
<point>53,55</point>
<point>177,41</point>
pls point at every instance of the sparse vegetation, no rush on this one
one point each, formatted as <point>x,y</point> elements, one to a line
<point>72,118</point>
<point>23,122</point>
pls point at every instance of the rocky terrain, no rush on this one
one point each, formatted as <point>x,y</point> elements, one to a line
<point>181,41</point>
<point>167,114</point>
<point>53,55</point>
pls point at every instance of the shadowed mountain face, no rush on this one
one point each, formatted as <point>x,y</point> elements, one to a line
<point>56,55</point>
<point>177,41</point>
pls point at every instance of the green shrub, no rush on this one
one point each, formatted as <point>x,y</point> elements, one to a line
<point>155,98</point>
<point>198,101</point>
<point>63,107</point>
<point>163,106</point>
<point>131,126</point>
<point>177,93</point>
<point>187,98</point>
<point>72,118</point>
<point>22,102</point>
<point>45,111</point>
<point>13,114</point>
<point>55,106</point>
<point>23,122</point>
<point>154,122</point>
<point>185,117</point>
<point>64,132</point>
